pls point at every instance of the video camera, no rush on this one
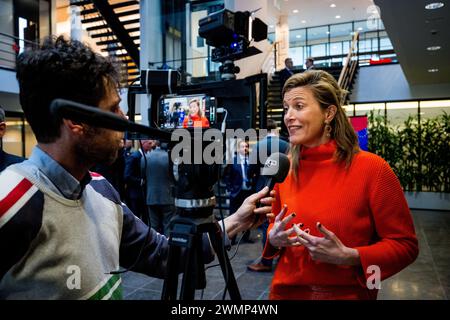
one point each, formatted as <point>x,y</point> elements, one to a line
<point>230,33</point>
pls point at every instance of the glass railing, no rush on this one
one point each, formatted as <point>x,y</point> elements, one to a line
<point>329,44</point>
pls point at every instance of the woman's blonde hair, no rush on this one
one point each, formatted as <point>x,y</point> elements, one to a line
<point>197,101</point>
<point>327,92</point>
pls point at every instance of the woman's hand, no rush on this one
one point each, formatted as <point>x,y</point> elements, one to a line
<point>328,249</point>
<point>280,237</point>
<point>251,213</point>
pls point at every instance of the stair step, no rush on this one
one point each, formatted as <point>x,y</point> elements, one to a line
<point>80,3</point>
<point>108,34</point>
<point>112,41</point>
<point>130,21</point>
<point>112,49</point>
<point>91,20</point>
<point>118,15</point>
<point>99,27</point>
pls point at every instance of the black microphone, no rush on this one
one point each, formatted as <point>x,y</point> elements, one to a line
<point>276,169</point>
<point>98,118</point>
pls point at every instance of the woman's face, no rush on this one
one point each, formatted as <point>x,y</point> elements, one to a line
<point>193,108</point>
<point>304,118</point>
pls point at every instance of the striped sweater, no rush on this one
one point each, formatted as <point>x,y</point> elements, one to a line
<point>52,247</point>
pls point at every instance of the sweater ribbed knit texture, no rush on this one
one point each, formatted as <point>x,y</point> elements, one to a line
<point>363,205</point>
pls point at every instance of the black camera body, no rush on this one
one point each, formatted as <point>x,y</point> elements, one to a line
<point>230,33</point>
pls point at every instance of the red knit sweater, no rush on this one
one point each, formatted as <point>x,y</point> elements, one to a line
<point>364,206</point>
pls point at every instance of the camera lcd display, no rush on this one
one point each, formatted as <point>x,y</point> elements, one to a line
<point>191,111</point>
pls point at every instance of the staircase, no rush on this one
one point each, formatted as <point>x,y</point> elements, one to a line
<point>114,24</point>
<point>275,103</point>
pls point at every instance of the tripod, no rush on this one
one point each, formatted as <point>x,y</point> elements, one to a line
<point>186,253</point>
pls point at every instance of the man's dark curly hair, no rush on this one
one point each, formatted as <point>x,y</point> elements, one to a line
<point>60,68</point>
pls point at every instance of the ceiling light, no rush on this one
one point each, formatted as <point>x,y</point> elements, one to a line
<point>328,32</point>
<point>434,5</point>
<point>298,36</point>
<point>271,26</point>
<point>303,21</point>
<point>360,29</point>
<point>433,70</point>
<point>338,17</point>
<point>295,11</point>
<point>332,5</point>
<point>434,48</point>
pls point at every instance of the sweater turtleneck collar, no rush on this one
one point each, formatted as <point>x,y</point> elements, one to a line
<point>322,152</point>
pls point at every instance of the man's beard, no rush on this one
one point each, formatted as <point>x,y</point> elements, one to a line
<point>95,148</point>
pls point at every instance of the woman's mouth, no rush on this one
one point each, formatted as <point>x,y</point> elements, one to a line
<point>294,129</point>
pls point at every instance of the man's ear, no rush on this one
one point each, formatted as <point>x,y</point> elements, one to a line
<point>76,128</point>
<point>2,129</point>
<point>330,113</point>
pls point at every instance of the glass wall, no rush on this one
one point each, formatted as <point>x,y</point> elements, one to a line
<point>330,44</point>
<point>22,24</point>
<point>19,138</point>
<point>414,138</point>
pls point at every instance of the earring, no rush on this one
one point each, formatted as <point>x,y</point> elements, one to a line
<point>328,129</point>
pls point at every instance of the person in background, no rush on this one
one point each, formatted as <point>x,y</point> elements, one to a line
<point>238,182</point>
<point>6,159</point>
<point>135,180</point>
<point>287,72</point>
<point>309,63</point>
<point>160,184</point>
<point>343,218</point>
<point>262,150</point>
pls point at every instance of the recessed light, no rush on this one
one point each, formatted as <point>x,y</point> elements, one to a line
<point>328,32</point>
<point>434,5</point>
<point>360,29</point>
<point>303,21</point>
<point>298,36</point>
<point>295,11</point>
<point>433,70</point>
<point>338,17</point>
<point>434,48</point>
<point>332,5</point>
<point>271,26</point>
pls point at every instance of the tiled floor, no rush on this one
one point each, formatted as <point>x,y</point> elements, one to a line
<point>427,278</point>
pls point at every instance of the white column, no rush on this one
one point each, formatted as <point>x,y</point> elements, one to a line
<point>282,37</point>
<point>151,47</point>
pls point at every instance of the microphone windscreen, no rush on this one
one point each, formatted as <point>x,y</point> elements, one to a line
<point>276,167</point>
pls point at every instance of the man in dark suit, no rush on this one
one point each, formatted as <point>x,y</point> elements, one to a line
<point>287,72</point>
<point>135,182</point>
<point>309,63</point>
<point>160,184</point>
<point>238,181</point>
<point>263,149</point>
<point>6,159</point>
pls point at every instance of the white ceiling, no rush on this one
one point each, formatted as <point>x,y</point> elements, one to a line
<point>412,29</point>
<point>318,12</point>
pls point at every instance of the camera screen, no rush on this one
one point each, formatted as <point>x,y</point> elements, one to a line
<point>192,111</point>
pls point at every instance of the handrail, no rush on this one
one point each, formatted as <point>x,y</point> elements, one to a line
<point>17,38</point>
<point>349,68</point>
<point>270,62</point>
<point>10,48</point>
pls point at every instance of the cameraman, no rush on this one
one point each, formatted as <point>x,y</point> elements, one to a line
<point>63,229</point>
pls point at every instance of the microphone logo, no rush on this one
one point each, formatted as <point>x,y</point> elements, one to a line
<point>271,163</point>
